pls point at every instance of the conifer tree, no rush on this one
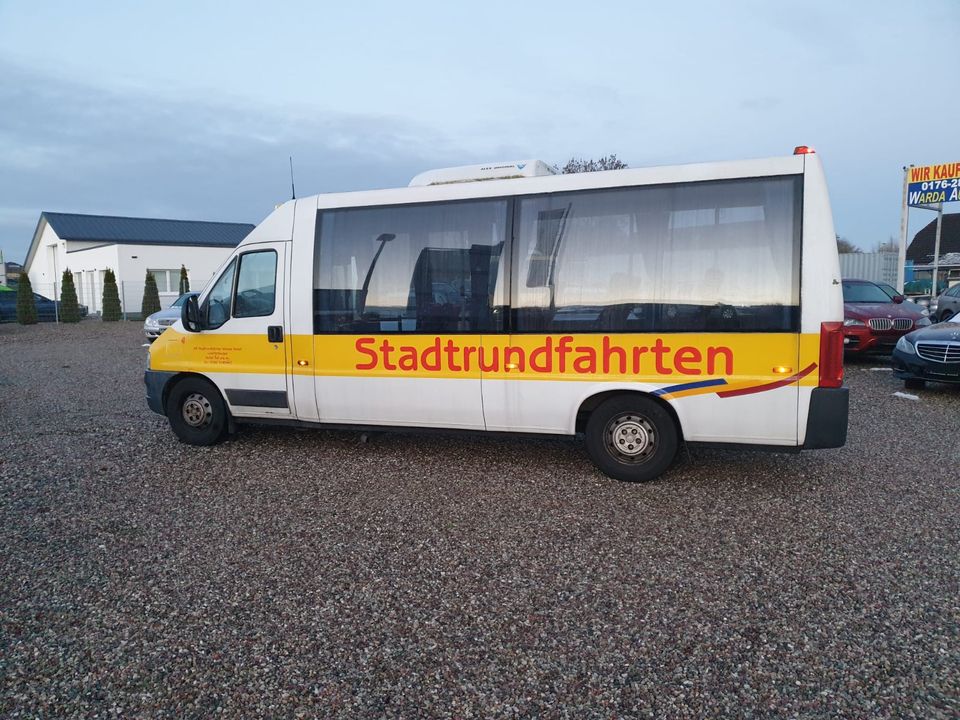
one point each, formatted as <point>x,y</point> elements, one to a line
<point>26,304</point>
<point>184,280</point>
<point>111,297</point>
<point>69,310</point>
<point>151,296</point>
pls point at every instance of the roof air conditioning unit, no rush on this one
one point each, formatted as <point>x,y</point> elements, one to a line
<point>487,171</point>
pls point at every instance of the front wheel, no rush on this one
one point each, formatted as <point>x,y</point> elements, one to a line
<point>196,412</point>
<point>631,438</point>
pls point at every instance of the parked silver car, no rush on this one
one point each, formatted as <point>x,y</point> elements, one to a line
<point>948,304</point>
<point>160,321</point>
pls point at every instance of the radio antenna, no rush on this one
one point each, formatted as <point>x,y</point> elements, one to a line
<point>293,190</point>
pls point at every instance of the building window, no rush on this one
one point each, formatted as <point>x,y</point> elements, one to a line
<point>168,281</point>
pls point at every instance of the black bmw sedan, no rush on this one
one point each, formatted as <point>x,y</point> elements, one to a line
<point>929,354</point>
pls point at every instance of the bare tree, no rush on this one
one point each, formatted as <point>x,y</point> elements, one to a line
<point>579,165</point>
<point>845,246</point>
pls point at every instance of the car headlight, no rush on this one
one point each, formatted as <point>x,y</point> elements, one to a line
<point>847,322</point>
<point>152,323</point>
<point>905,346</point>
<point>924,311</point>
<point>923,322</point>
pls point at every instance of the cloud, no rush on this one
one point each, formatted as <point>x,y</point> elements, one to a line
<point>78,148</point>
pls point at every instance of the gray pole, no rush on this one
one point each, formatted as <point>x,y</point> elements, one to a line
<point>936,255</point>
<point>904,223</point>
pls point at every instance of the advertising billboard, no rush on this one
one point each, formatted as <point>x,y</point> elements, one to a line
<point>933,184</point>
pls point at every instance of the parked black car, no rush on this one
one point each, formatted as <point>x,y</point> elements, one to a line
<point>929,354</point>
<point>47,309</point>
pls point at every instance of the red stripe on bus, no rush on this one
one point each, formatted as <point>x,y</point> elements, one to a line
<point>769,386</point>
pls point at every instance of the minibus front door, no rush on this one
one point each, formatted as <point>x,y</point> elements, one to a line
<point>243,344</point>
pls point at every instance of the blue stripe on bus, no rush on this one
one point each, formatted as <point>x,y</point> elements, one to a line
<point>689,386</point>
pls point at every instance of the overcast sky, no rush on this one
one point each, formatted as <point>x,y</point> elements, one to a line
<point>190,109</point>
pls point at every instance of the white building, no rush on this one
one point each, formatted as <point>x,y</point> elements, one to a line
<point>88,245</point>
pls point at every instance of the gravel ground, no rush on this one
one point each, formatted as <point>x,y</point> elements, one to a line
<point>304,573</point>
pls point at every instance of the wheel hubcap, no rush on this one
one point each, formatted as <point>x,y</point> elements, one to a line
<point>631,438</point>
<point>197,411</point>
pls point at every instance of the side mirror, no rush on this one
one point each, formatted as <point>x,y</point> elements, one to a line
<point>190,315</point>
<point>898,299</point>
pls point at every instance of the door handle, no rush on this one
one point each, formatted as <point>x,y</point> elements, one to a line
<point>275,333</point>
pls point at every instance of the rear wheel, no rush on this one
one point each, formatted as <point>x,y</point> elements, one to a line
<point>196,412</point>
<point>631,438</point>
<point>914,384</point>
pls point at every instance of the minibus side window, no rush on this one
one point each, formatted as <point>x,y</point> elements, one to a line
<point>216,308</point>
<point>256,284</point>
<point>425,268</point>
<point>693,257</point>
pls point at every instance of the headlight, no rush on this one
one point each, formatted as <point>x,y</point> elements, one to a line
<point>923,322</point>
<point>847,322</point>
<point>905,346</point>
<point>152,323</point>
<point>924,312</point>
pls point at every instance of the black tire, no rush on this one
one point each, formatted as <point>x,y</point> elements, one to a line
<point>645,430</point>
<point>196,412</point>
<point>914,384</point>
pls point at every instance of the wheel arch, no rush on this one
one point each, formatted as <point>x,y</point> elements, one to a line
<point>180,377</point>
<point>592,402</point>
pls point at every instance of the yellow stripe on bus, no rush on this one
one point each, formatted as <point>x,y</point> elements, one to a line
<point>741,359</point>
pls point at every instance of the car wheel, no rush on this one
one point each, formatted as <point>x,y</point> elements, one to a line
<point>946,315</point>
<point>196,412</point>
<point>914,384</point>
<point>631,438</point>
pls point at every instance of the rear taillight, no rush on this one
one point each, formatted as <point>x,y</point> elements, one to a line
<point>831,354</point>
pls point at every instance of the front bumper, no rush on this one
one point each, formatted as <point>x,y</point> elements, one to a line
<point>156,382</point>
<point>827,418</point>
<point>913,367</point>
<point>154,331</point>
<point>858,338</point>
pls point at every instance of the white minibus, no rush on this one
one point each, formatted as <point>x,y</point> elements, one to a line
<point>645,308</point>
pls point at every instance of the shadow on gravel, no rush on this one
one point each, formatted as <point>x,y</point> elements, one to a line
<point>560,459</point>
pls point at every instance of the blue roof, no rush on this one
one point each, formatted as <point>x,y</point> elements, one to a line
<point>146,231</point>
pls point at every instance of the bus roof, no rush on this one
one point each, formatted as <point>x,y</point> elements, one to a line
<point>788,165</point>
